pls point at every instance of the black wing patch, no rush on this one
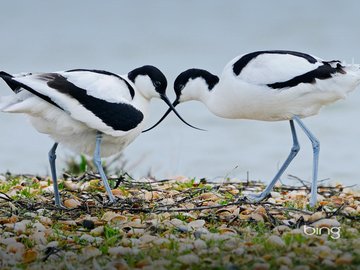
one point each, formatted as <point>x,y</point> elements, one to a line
<point>16,87</point>
<point>322,72</point>
<point>119,116</point>
<point>131,89</point>
<point>243,61</point>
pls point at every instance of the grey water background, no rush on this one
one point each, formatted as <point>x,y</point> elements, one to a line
<point>175,35</point>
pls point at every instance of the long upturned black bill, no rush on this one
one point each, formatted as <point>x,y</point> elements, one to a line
<point>171,108</point>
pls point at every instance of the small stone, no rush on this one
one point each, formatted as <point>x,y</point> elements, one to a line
<point>257,217</point>
<point>302,267</point>
<point>272,200</point>
<point>20,227</point>
<point>87,238</point>
<point>147,238</point>
<point>316,216</point>
<point>90,252</point>
<point>29,256</point>
<point>8,241</point>
<point>276,241</point>
<point>261,266</point>
<point>68,222</point>
<point>196,224</point>
<point>328,263</point>
<point>97,231</point>
<point>185,247</point>
<point>16,248</point>
<point>118,192</point>
<point>227,230</point>
<point>39,227</point>
<point>38,237</point>
<point>117,264</point>
<point>72,203</point>
<point>281,229</point>
<point>349,210</point>
<point>345,259</point>
<point>284,261</point>
<point>188,259</point>
<point>29,215</point>
<point>275,194</point>
<point>70,185</point>
<point>45,220</point>
<point>200,244</point>
<point>52,244</point>
<point>239,251</point>
<point>323,251</point>
<point>326,222</point>
<point>121,251</point>
<point>88,224</point>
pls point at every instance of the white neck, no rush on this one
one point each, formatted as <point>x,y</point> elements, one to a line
<point>196,89</point>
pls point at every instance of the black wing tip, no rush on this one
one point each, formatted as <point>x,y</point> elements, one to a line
<point>8,78</point>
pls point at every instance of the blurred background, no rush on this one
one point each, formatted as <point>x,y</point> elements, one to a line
<point>119,36</point>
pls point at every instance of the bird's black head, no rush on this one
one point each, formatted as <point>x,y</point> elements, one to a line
<point>157,78</point>
<point>183,78</point>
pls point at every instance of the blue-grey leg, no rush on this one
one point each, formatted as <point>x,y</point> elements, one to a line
<point>294,150</point>
<point>97,162</point>
<point>52,158</point>
<point>316,150</point>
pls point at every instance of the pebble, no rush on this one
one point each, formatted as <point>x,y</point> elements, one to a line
<point>261,266</point>
<point>39,238</point>
<point>257,217</point>
<point>97,231</point>
<point>239,251</point>
<point>116,251</point>
<point>183,247</point>
<point>90,252</point>
<point>189,259</point>
<point>275,194</point>
<point>19,227</point>
<point>326,222</point>
<point>52,244</point>
<point>8,241</point>
<point>349,210</point>
<point>16,248</point>
<point>72,203</point>
<point>227,230</point>
<point>88,238</point>
<point>284,261</point>
<point>345,259</point>
<point>302,267</point>
<point>200,244</point>
<point>88,224</point>
<point>37,226</point>
<point>196,224</point>
<point>323,251</point>
<point>45,220</point>
<point>316,216</point>
<point>276,241</point>
<point>30,256</point>
<point>281,229</point>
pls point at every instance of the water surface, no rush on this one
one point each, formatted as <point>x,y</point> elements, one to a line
<point>175,35</point>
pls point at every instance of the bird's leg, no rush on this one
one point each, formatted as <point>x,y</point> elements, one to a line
<point>316,150</point>
<point>52,158</point>
<point>294,150</point>
<point>97,162</point>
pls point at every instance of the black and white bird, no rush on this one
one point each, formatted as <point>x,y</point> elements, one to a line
<point>94,112</point>
<point>271,85</point>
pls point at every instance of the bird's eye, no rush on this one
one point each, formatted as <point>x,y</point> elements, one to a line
<point>181,87</point>
<point>157,83</point>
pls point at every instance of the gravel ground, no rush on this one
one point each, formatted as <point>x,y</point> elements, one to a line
<point>176,223</point>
